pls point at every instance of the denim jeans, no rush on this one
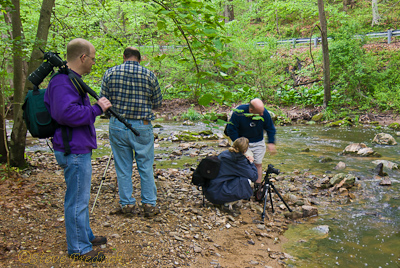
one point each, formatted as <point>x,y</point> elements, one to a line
<point>78,175</point>
<point>126,147</point>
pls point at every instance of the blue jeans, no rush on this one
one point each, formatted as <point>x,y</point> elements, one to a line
<point>78,175</point>
<point>124,143</point>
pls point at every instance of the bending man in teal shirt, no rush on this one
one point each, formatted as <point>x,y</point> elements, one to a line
<point>243,125</point>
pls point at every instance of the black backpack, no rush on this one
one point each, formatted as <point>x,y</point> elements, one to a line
<point>207,170</point>
<point>37,117</point>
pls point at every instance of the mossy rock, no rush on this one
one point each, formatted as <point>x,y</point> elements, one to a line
<point>317,117</point>
<point>206,132</point>
<point>339,123</point>
<point>395,126</point>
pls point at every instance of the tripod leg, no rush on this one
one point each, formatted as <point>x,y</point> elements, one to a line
<point>102,180</point>
<point>270,199</point>
<point>267,190</point>
<point>276,191</point>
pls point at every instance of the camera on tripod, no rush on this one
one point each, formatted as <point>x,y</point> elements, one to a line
<point>265,189</point>
<point>272,170</point>
<point>51,60</point>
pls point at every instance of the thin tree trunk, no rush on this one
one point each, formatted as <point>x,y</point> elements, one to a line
<point>229,12</point>
<point>345,3</point>
<point>375,13</point>
<point>18,135</point>
<point>325,53</point>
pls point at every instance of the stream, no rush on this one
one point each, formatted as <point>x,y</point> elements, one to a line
<point>362,233</point>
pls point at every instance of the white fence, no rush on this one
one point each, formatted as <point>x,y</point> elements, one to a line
<point>316,40</point>
<point>389,34</point>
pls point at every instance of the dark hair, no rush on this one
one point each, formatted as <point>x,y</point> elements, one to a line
<point>129,52</point>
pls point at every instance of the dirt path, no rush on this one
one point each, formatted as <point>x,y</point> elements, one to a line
<point>185,234</point>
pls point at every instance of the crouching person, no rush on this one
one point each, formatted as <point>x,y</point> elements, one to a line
<point>236,172</point>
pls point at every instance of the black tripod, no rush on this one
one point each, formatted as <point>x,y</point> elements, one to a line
<point>265,189</point>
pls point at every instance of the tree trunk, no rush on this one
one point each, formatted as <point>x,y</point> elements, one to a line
<point>3,132</point>
<point>228,12</point>
<point>375,13</point>
<point>18,135</point>
<point>4,156</point>
<point>345,3</point>
<point>325,53</point>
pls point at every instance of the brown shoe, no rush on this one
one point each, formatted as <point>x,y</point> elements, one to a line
<point>99,240</point>
<point>127,210</point>
<point>130,209</point>
<point>90,257</point>
<point>150,211</point>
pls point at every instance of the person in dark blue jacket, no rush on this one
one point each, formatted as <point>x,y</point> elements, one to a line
<point>246,122</point>
<point>236,172</point>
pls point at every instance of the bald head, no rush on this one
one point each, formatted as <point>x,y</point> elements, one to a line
<point>132,53</point>
<point>256,106</point>
<point>77,47</point>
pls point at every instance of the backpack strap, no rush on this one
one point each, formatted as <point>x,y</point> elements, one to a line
<point>66,132</point>
<point>66,139</point>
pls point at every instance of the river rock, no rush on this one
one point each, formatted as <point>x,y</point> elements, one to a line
<point>354,148</point>
<point>386,164</point>
<point>359,149</point>
<point>324,229</point>
<point>318,117</point>
<point>384,138</point>
<point>341,165</point>
<point>385,181</point>
<point>344,180</point>
<point>379,169</point>
<point>309,211</point>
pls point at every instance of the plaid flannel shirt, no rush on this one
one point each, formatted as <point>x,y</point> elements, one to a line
<point>133,90</point>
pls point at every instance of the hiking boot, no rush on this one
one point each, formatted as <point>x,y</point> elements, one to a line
<point>150,211</point>
<point>99,240</point>
<point>127,210</point>
<point>90,257</point>
<point>130,210</point>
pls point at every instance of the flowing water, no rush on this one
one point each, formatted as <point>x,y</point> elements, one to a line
<point>362,233</point>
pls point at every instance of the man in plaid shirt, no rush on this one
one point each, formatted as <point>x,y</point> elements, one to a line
<point>133,91</point>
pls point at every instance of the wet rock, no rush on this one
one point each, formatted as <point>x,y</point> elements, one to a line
<point>309,211</point>
<point>325,159</point>
<point>340,123</point>
<point>379,170</point>
<point>324,229</point>
<point>386,164</point>
<point>386,181</point>
<point>367,152</point>
<point>318,117</point>
<point>354,147</point>
<point>293,215</point>
<point>340,166</point>
<point>384,138</point>
<point>188,123</point>
<point>224,143</point>
<point>395,126</point>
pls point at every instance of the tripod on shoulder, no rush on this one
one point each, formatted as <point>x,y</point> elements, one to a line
<point>265,189</point>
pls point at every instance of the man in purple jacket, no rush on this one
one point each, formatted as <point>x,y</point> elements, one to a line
<point>77,116</point>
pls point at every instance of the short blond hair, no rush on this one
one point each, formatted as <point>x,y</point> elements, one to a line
<point>76,48</point>
<point>240,145</point>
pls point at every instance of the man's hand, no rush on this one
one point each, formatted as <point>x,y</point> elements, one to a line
<point>271,148</point>
<point>104,103</point>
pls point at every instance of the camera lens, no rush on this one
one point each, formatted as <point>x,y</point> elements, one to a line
<point>37,76</point>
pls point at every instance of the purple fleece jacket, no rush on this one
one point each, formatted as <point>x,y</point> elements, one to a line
<point>68,108</point>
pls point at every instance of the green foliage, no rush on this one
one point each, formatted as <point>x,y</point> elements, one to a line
<point>306,95</point>
<point>214,62</point>
<point>192,115</point>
